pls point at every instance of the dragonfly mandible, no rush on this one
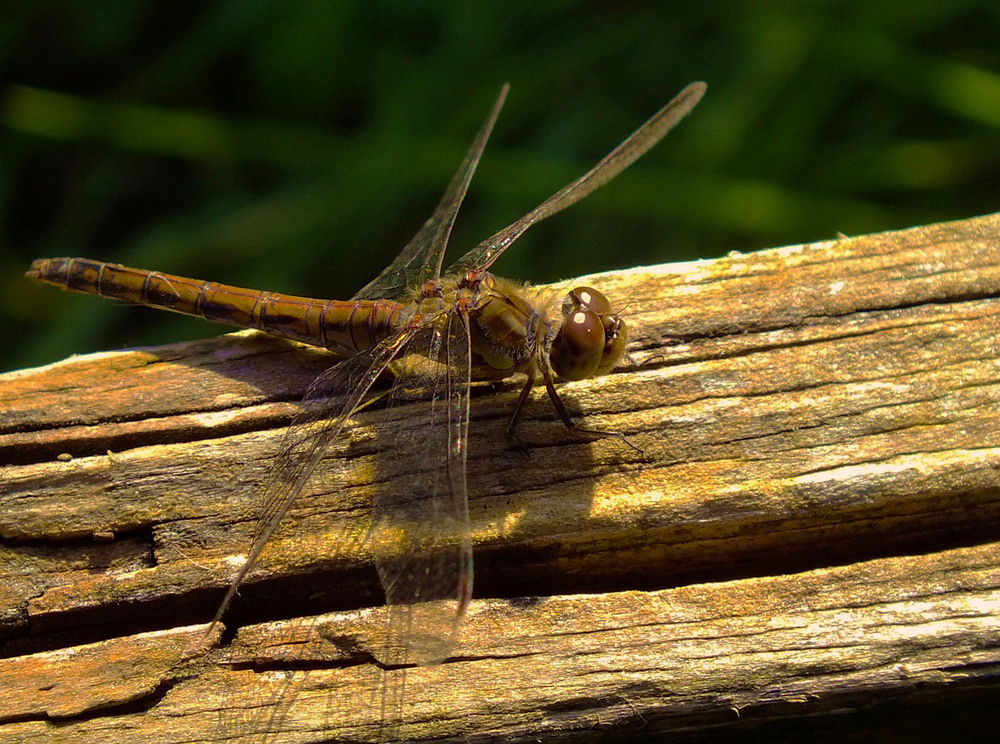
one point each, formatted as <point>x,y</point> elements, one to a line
<point>433,331</point>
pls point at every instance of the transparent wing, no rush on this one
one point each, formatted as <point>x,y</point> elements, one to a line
<point>420,533</point>
<point>421,258</point>
<point>420,527</point>
<point>327,408</point>
<point>483,255</point>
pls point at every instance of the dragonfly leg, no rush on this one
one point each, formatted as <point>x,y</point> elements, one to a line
<point>563,412</point>
<point>567,419</point>
<point>518,410</point>
<point>561,409</point>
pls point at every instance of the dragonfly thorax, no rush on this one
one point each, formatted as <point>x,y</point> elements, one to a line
<point>505,327</point>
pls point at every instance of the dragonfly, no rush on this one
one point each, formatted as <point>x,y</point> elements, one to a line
<point>427,330</point>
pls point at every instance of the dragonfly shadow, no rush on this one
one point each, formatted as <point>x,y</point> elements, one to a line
<point>529,499</point>
<point>521,499</point>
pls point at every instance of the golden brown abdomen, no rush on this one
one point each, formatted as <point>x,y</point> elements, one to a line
<point>333,324</point>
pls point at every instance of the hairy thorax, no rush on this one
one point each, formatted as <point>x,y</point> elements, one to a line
<point>508,324</point>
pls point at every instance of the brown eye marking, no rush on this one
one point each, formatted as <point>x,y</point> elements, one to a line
<point>586,298</point>
<point>578,348</point>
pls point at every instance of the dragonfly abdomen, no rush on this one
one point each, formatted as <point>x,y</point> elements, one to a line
<point>333,324</point>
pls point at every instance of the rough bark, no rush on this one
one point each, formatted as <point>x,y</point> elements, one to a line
<point>803,522</point>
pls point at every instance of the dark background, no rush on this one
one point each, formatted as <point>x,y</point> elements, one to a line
<point>296,146</point>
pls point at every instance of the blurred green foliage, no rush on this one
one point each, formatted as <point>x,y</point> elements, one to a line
<point>296,146</point>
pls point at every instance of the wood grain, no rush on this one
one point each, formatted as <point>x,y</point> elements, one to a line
<point>804,522</point>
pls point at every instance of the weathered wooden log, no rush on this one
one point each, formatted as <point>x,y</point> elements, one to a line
<point>806,525</point>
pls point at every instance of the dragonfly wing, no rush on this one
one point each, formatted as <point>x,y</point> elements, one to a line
<point>421,532</point>
<point>327,409</point>
<point>421,258</point>
<point>483,255</point>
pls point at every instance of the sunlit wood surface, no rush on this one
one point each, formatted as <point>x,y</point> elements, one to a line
<point>803,527</point>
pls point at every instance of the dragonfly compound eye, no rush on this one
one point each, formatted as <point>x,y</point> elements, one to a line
<point>579,346</point>
<point>592,338</point>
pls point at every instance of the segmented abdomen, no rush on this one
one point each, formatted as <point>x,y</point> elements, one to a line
<point>333,324</point>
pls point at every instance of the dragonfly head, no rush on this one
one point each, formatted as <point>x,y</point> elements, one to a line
<point>591,338</point>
